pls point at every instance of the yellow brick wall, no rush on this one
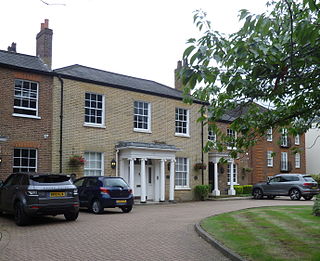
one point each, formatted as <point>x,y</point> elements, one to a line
<point>119,127</point>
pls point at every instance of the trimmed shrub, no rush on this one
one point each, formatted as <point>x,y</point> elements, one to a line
<point>202,191</point>
<point>238,189</point>
<point>316,206</point>
<point>316,177</point>
<point>247,189</point>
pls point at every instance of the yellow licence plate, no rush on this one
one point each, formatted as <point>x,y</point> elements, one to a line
<point>57,194</point>
<point>121,201</point>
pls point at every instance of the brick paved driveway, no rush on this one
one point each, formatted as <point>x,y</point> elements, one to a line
<point>152,232</point>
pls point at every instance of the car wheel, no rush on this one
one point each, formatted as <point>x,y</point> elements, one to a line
<point>271,197</point>
<point>71,216</point>
<point>295,194</point>
<point>126,209</point>
<point>96,207</point>
<point>308,197</point>
<point>257,193</point>
<point>20,217</point>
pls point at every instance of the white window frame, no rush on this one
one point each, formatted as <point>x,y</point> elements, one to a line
<point>187,113</point>
<point>148,129</point>
<point>92,124</point>
<point>233,135</point>
<point>186,171</point>
<point>297,160</point>
<point>27,96</point>
<point>284,161</point>
<point>235,173</point>
<point>20,166</point>
<point>87,162</point>
<point>269,134</point>
<point>297,140</point>
<point>284,137</point>
<point>269,159</point>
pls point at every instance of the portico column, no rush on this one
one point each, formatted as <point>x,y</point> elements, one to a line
<point>216,191</point>
<point>132,174</point>
<point>143,181</point>
<point>162,180</point>
<point>171,192</point>
<point>231,191</point>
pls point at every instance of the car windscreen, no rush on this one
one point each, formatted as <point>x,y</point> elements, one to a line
<point>50,179</point>
<point>308,179</point>
<point>114,182</point>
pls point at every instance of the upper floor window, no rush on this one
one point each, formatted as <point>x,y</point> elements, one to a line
<point>284,137</point>
<point>26,98</point>
<point>297,140</point>
<point>182,122</point>
<point>93,165</point>
<point>24,160</point>
<point>297,160</point>
<point>94,109</point>
<point>212,136</point>
<point>142,116</point>
<point>269,134</point>
<point>269,159</point>
<point>182,173</point>
<point>231,134</point>
<point>235,174</point>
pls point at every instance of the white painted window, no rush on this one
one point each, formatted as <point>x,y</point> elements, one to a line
<point>93,165</point>
<point>284,161</point>
<point>26,98</point>
<point>142,116</point>
<point>235,173</point>
<point>182,173</point>
<point>269,134</point>
<point>284,137</point>
<point>269,159</point>
<point>232,135</point>
<point>94,109</point>
<point>182,122</point>
<point>24,160</point>
<point>212,136</point>
<point>297,161</point>
<point>297,140</point>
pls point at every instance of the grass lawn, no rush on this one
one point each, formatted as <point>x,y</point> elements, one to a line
<point>269,233</point>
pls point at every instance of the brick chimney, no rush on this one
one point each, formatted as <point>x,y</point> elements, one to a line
<point>177,81</point>
<point>44,43</point>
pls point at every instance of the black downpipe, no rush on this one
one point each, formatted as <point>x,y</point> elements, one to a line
<point>202,170</point>
<point>61,123</point>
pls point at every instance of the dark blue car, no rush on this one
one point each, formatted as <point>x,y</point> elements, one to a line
<point>97,193</point>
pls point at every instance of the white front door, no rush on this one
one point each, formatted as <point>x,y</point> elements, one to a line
<point>150,183</point>
<point>137,181</point>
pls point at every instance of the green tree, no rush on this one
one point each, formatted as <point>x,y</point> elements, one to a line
<point>274,59</point>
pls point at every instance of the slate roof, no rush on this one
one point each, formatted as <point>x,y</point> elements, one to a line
<point>96,76</point>
<point>22,61</point>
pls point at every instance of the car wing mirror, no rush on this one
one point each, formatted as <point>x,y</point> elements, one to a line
<point>1,183</point>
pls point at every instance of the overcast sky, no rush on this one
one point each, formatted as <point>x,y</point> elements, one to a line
<point>140,38</point>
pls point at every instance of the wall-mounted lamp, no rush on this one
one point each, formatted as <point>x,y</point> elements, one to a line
<point>0,161</point>
<point>113,163</point>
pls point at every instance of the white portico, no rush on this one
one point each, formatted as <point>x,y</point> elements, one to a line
<point>214,158</point>
<point>143,165</point>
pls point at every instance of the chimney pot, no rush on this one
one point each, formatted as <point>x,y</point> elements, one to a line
<point>12,48</point>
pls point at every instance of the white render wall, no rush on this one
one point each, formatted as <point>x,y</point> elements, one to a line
<point>313,151</point>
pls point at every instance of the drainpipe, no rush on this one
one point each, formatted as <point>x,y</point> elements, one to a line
<point>61,123</point>
<point>202,170</point>
<point>117,162</point>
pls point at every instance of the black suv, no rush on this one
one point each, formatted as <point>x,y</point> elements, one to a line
<point>30,194</point>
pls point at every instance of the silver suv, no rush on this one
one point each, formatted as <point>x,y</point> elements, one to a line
<point>293,185</point>
<point>30,194</point>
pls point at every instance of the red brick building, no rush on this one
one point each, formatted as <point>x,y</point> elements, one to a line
<point>26,108</point>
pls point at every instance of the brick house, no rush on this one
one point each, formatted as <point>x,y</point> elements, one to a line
<point>275,153</point>
<point>26,110</point>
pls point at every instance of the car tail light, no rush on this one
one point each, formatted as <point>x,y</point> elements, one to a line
<point>104,190</point>
<point>130,191</point>
<point>307,184</point>
<point>32,192</point>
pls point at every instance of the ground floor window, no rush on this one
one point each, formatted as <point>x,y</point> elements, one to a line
<point>93,165</point>
<point>182,173</point>
<point>235,174</point>
<point>24,160</point>
<point>297,160</point>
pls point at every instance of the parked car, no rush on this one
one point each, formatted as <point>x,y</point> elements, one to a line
<point>97,193</point>
<point>30,194</point>
<point>293,185</point>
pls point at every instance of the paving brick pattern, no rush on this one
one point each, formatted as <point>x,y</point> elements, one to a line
<point>151,232</point>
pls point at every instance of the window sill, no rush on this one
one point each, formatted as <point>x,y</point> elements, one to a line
<point>26,116</point>
<point>182,135</point>
<point>142,130</point>
<point>182,188</point>
<point>270,166</point>
<point>94,126</point>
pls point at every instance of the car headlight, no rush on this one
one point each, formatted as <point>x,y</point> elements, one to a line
<point>75,192</point>
<point>32,192</point>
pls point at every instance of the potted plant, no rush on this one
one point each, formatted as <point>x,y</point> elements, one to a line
<point>76,160</point>
<point>200,165</point>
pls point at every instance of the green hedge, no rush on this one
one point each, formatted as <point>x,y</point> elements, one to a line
<point>238,189</point>
<point>245,189</point>
<point>316,177</point>
<point>316,206</point>
<point>202,191</point>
